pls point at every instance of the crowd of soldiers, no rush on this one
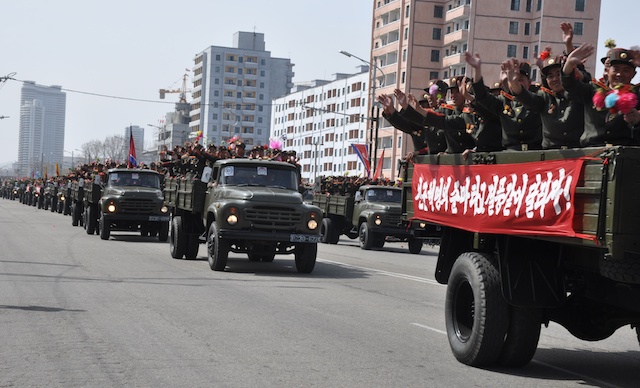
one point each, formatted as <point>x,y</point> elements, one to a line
<point>348,185</point>
<point>569,109</point>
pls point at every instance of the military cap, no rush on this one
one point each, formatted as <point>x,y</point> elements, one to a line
<point>525,69</point>
<point>453,82</point>
<point>497,85</point>
<point>620,55</point>
<point>550,63</point>
<point>437,88</point>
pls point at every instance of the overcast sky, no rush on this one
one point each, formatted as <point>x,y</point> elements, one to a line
<point>133,48</point>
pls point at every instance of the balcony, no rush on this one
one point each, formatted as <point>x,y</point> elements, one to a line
<point>460,12</point>
<point>456,36</point>
<point>452,60</point>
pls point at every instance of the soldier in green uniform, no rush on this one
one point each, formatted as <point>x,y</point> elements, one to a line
<point>521,128</point>
<point>562,118</point>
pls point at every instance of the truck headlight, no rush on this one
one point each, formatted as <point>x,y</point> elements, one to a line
<point>62,197</point>
<point>164,209</point>
<point>423,225</point>
<point>377,221</point>
<point>312,224</point>
<point>232,219</point>
<point>111,208</point>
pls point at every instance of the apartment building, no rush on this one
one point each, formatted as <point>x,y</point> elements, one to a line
<point>320,120</point>
<point>414,41</point>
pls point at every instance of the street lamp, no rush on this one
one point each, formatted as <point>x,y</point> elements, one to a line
<point>375,109</point>
<point>163,130</point>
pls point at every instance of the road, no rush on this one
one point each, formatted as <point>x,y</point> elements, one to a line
<point>79,311</point>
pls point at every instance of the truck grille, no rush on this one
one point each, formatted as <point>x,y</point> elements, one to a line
<point>137,206</point>
<point>273,218</point>
<point>392,219</point>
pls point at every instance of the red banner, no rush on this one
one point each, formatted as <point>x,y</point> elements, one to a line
<point>526,199</point>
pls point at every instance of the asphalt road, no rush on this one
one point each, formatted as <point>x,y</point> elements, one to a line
<point>76,311</point>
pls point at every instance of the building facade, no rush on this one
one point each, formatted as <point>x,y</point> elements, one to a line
<point>41,129</point>
<point>320,120</point>
<point>233,88</point>
<point>138,138</point>
<point>414,41</point>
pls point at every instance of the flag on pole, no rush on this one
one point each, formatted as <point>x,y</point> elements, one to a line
<point>133,162</point>
<point>363,154</point>
<point>57,170</point>
<point>376,175</point>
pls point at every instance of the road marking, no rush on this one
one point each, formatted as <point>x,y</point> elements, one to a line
<point>386,273</point>
<point>430,328</point>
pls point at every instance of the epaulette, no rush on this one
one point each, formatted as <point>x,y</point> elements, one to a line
<point>467,109</point>
<point>448,106</point>
<point>600,84</point>
<point>433,112</point>
<point>548,91</point>
<point>507,95</point>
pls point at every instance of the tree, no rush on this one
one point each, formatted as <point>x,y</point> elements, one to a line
<point>115,148</point>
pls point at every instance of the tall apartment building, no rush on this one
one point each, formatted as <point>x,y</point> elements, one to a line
<point>320,120</point>
<point>414,41</point>
<point>41,129</point>
<point>233,88</point>
<point>138,138</point>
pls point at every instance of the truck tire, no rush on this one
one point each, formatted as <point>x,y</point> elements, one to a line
<point>306,257</point>
<point>163,232</point>
<point>476,314</point>
<point>105,228</point>
<point>193,245</point>
<point>415,245</point>
<point>74,215</point>
<point>522,337</point>
<point>90,220</point>
<point>177,242</point>
<point>624,269</point>
<point>217,249</point>
<point>325,229</point>
<point>366,237</point>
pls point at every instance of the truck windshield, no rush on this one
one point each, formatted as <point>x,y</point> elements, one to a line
<point>134,178</point>
<point>384,195</point>
<point>251,175</point>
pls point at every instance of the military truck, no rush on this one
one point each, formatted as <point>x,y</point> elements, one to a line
<point>77,202</point>
<point>131,200</point>
<point>247,206</point>
<point>532,237</point>
<point>372,216</point>
<point>90,204</point>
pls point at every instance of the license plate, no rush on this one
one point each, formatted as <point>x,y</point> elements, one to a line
<point>158,218</point>
<point>304,238</point>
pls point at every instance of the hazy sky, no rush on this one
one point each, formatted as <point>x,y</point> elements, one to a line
<point>133,48</point>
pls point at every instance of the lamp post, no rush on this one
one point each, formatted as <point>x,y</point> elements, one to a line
<point>316,142</point>
<point>163,131</point>
<point>375,109</point>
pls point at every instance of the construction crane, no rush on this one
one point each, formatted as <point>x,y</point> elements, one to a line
<point>182,91</point>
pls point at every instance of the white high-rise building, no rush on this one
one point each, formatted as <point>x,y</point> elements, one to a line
<point>138,138</point>
<point>233,88</point>
<point>41,137</point>
<point>320,120</point>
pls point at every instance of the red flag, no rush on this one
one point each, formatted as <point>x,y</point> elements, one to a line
<point>363,154</point>
<point>133,162</point>
<point>376,175</point>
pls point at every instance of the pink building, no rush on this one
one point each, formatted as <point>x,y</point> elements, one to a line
<point>414,41</point>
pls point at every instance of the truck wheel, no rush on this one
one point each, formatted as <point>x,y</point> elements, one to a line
<point>90,220</point>
<point>193,245</point>
<point>624,269</point>
<point>163,232</point>
<point>306,257</point>
<point>325,229</point>
<point>105,228</point>
<point>74,215</point>
<point>522,336</point>
<point>177,241</point>
<point>415,245</point>
<point>366,237</point>
<point>378,241</point>
<point>475,312</point>
<point>217,249</point>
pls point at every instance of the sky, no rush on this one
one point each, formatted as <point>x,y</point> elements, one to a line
<point>128,50</point>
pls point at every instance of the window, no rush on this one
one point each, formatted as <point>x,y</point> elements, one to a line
<point>437,34</point>
<point>515,5</point>
<point>528,6</point>
<point>512,50</point>
<point>525,52</point>
<point>438,11</point>
<point>406,12</point>
<point>537,28</point>
<point>527,28</point>
<point>404,55</point>
<point>513,28</point>
<point>580,5</point>
<point>217,57</point>
<point>433,75</point>
<point>435,55</point>
<point>539,6</point>
<point>406,33</point>
<point>577,28</point>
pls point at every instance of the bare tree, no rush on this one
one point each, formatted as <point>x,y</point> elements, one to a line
<point>93,150</point>
<point>114,148</point>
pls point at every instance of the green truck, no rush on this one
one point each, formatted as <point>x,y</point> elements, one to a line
<point>131,200</point>
<point>532,237</point>
<point>248,206</point>
<point>372,215</point>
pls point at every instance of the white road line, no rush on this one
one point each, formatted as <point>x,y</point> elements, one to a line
<point>386,273</point>
<point>430,328</point>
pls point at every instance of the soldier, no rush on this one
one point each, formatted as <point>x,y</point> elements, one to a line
<point>562,119</point>
<point>521,129</point>
<point>619,123</point>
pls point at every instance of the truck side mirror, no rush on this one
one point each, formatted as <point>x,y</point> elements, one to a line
<point>358,197</point>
